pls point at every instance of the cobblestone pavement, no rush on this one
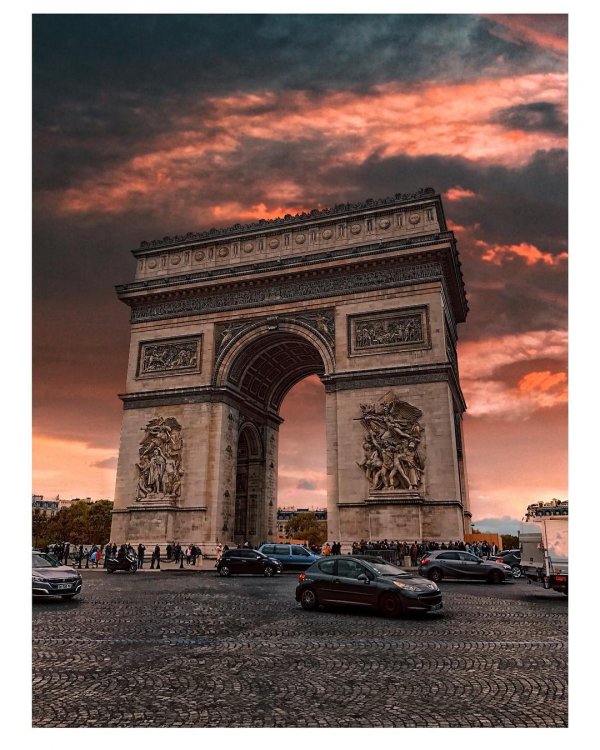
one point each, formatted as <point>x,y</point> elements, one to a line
<point>170,650</point>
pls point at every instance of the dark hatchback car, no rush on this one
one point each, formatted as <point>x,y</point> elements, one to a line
<point>510,557</point>
<point>455,564</point>
<point>366,582</point>
<point>247,561</point>
<point>50,578</point>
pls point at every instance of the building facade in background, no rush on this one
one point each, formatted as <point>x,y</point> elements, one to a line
<point>224,323</point>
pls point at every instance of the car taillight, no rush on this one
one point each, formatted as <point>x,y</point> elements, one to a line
<point>301,577</point>
<point>424,561</point>
<point>561,579</point>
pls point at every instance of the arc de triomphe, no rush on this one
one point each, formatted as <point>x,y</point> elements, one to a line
<point>223,323</point>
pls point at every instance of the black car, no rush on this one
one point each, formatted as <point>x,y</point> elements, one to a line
<point>49,577</point>
<point>510,557</point>
<point>456,564</point>
<point>368,582</point>
<point>247,561</point>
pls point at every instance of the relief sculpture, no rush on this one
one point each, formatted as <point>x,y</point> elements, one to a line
<point>393,445</point>
<point>159,469</point>
<point>169,357</point>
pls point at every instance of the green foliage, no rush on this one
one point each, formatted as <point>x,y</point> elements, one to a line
<point>82,523</point>
<point>307,526</point>
<point>510,541</point>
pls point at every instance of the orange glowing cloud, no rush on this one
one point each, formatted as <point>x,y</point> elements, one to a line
<point>428,119</point>
<point>72,468</point>
<point>458,193</point>
<point>487,394</point>
<point>497,254</point>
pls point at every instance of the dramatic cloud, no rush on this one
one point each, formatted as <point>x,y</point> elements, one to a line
<point>488,380</point>
<point>146,126</point>
<point>457,120</point>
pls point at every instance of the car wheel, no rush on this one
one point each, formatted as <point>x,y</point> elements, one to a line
<point>110,570</point>
<point>390,605</point>
<point>308,599</point>
<point>268,571</point>
<point>435,575</point>
<point>133,569</point>
<point>224,571</point>
<point>495,577</point>
<point>516,571</point>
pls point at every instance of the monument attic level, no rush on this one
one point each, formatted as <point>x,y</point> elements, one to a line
<point>223,323</point>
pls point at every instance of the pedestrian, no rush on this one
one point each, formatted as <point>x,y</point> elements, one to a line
<point>188,554</point>
<point>155,558</point>
<point>219,551</point>
<point>140,555</point>
<point>413,553</point>
<point>113,550</point>
<point>66,553</point>
<point>169,551</point>
<point>326,549</point>
<point>80,555</point>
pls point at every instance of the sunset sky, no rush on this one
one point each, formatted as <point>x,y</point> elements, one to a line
<point>146,126</point>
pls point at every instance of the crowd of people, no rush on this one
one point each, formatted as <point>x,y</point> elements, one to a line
<point>395,550</point>
<point>416,550</point>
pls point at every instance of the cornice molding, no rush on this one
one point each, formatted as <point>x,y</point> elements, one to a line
<point>289,219</point>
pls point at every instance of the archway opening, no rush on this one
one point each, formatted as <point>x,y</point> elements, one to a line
<point>302,467</point>
<point>259,370</point>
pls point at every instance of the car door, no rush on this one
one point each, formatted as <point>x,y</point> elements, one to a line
<point>326,581</point>
<point>256,562</point>
<point>283,554</point>
<point>350,590</point>
<point>450,564</point>
<point>301,558</point>
<point>473,566</point>
<point>241,562</point>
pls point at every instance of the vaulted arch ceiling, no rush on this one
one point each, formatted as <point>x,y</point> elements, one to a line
<point>268,367</point>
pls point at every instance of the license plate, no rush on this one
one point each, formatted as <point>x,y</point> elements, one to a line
<point>64,585</point>
<point>436,606</point>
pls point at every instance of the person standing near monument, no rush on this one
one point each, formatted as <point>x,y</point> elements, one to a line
<point>155,558</point>
<point>140,555</point>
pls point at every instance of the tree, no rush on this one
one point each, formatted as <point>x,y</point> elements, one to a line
<point>510,541</point>
<point>82,523</point>
<point>307,526</point>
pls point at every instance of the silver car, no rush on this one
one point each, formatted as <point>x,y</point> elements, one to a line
<point>50,578</point>
<point>440,564</point>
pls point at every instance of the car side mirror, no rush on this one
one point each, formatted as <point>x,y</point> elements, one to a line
<point>363,577</point>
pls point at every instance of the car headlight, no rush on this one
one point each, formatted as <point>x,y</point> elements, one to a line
<point>405,586</point>
<point>38,579</point>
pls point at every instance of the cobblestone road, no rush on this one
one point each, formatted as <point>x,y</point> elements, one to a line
<point>195,650</point>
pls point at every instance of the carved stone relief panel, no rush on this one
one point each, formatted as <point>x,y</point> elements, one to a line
<point>393,445</point>
<point>163,357</point>
<point>406,328</point>
<point>159,470</point>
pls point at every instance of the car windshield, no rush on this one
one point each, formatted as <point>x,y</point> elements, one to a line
<point>387,569</point>
<point>40,560</point>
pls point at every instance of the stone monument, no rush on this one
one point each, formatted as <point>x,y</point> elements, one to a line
<point>368,297</point>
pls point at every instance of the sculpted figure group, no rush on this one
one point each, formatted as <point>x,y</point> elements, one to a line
<point>391,445</point>
<point>159,469</point>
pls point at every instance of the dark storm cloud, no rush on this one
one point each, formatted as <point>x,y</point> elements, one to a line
<point>306,484</point>
<point>102,84</point>
<point>108,463</point>
<point>540,116</point>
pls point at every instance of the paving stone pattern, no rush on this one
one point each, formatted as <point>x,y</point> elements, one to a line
<point>170,650</point>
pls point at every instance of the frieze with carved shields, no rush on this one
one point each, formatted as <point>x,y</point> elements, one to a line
<point>393,445</point>
<point>160,466</point>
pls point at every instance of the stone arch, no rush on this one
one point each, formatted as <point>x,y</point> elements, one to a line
<point>263,361</point>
